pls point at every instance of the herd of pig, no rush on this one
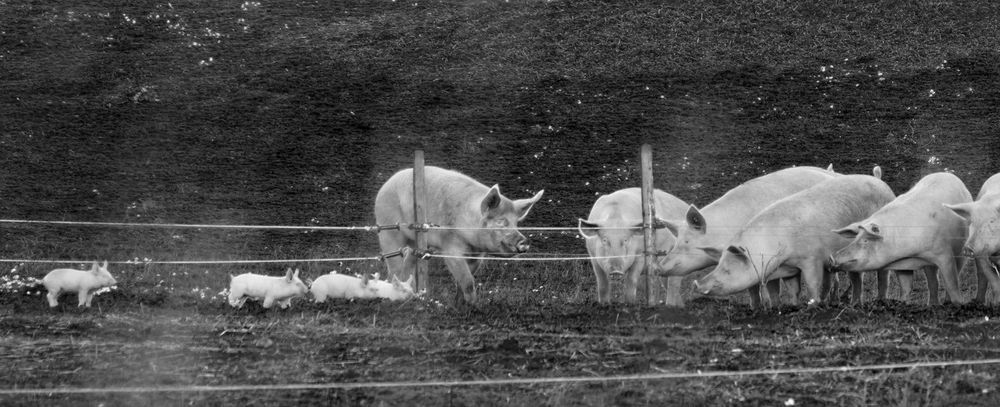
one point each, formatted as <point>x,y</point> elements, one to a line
<point>800,225</point>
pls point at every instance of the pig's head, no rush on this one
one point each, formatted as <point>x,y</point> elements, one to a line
<point>692,248</point>
<point>735,272</point>
<point>618,243</point>
<point>102,275</point>
<point>499,220</point>
<point>292,285</point>
<point>867,250</point>
<point>983,217</point>
<point>403,288</point>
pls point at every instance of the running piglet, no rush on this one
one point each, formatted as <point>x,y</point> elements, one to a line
<point>266,288</point>
<point>83,282</point>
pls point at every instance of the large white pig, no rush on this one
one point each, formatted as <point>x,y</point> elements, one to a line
<point>705,234</point>
<point>913,231</point>
<point>479,221</point>
<point>983,216</point>
<point>614,237</point>
<point>790,237</point>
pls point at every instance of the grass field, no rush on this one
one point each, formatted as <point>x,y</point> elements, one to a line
<point>294,113</point>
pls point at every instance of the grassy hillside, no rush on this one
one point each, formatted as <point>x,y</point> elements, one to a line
<point>295,112</point>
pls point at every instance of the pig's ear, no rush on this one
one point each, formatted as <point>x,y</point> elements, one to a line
<point>872,231</point>
<point>105,266</point>
<point>296,274</point>
<point>492,200</point>
<point>877,172</point>
<point>523,206</point>
<point>694,219</point>
<point>587,229</point>
<point>94,266</point>
<point>963,209</point>
<point>288,274</point>
<point>849,231</point>
<point>712,252</point>
<point>829,168</point>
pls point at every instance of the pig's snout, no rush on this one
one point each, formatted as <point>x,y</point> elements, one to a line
<point>837,265</point>
<point>521,244</point>
<point>702,287</point>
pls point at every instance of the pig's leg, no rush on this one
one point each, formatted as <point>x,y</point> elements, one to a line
<point>949,267</point>
<point>931,272</point>
<point>632,276</point>
<point>268,302</point>
<point>90,298</point>
<point>831,285</point>
<point>53,297</point>
<point>988,272</point>
<point>81,297</point>
<point>856,288</point>
<point>812,278</point>
<point>285,303</point>
<point>460,272</point>
<point>905,278</point>
<point>603,291</point>
<point>773,292</point>
<point>754,292</point>
<point>883,284</point>
<point>981,286</point>
<point>792,285</point>
<point>673,291</point>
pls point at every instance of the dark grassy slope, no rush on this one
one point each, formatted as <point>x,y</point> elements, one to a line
<point>295,112</point>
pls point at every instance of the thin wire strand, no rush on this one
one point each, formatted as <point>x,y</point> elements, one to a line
<point>493,382</point>
<point>144,262</point>
<point>185,225</point>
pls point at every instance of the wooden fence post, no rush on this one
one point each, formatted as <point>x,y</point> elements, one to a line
<point>648,214</point>
<point>419,196</point>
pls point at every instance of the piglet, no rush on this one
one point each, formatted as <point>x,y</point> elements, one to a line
<point>335,285</point>
<point>270,289</point>
<point>82,282</point>
<point>393,291</point>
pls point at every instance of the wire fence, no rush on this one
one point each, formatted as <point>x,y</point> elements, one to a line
<point>559,257</point>
<point>495,382</point>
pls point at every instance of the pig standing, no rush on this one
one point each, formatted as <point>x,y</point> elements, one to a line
<point>613,234</point>
<point>477,221</point>
<point>334,285</point>
<point>983,216</point>
<point>790,237</point>
<point>82,282</point>
<point>270,289</point>
<point>913,231</point>
<point>704,235</point>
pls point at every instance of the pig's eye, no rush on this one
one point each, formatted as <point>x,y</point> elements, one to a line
<point>502,222</point>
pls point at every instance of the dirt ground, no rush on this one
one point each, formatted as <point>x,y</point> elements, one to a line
<point>123,342</point>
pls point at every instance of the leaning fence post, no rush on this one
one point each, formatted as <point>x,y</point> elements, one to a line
<point>648,214</point>
<point>419,195</point>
